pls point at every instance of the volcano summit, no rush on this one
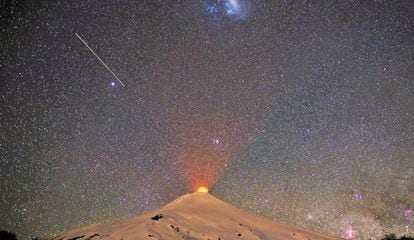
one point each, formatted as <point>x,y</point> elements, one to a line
<point>194,216</point>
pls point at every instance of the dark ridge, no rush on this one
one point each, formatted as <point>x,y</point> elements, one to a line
<point>76,237</point>
<point>95,235</point>
<point>177,229</point>
<point>157,217</point>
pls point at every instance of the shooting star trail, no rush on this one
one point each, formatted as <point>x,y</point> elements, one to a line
<point>96,55</point>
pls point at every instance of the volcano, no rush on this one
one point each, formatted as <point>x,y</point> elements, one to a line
<point>194,216</point>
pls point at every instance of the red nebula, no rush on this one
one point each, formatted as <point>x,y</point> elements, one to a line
<point>349,233</point>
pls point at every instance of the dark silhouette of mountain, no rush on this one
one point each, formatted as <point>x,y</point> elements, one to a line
<point>392,236</point>
<point>5,235</point>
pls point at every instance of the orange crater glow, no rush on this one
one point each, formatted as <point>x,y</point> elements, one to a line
<point>205,147</point>
<point>202,190</point>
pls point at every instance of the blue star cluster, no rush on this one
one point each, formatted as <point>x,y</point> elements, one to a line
<point>233,9</point>
<point>301,111</point>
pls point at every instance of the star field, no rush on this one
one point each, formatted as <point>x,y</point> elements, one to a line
<point>301,111</point>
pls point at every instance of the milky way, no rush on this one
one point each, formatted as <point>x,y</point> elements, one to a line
<point>301,111</point>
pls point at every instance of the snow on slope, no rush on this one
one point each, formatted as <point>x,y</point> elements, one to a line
<point>194,216</point>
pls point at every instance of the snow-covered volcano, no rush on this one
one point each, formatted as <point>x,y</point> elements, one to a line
<point>193,216</point>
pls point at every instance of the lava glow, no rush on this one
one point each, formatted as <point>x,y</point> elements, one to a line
<point>203,168</point>
<point>202,190</point>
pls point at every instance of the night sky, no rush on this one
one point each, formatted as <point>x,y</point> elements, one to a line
<point>301,111</point>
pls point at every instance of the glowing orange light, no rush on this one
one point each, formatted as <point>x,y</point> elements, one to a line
<point>202,189</point>
<point>205,147</point>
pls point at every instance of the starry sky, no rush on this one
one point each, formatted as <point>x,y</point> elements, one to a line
<point>301,111</point>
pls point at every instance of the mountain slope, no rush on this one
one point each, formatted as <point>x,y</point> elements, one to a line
<point>194,216</point>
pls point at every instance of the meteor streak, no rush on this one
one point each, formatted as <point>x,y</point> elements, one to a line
<point>103,63</point>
